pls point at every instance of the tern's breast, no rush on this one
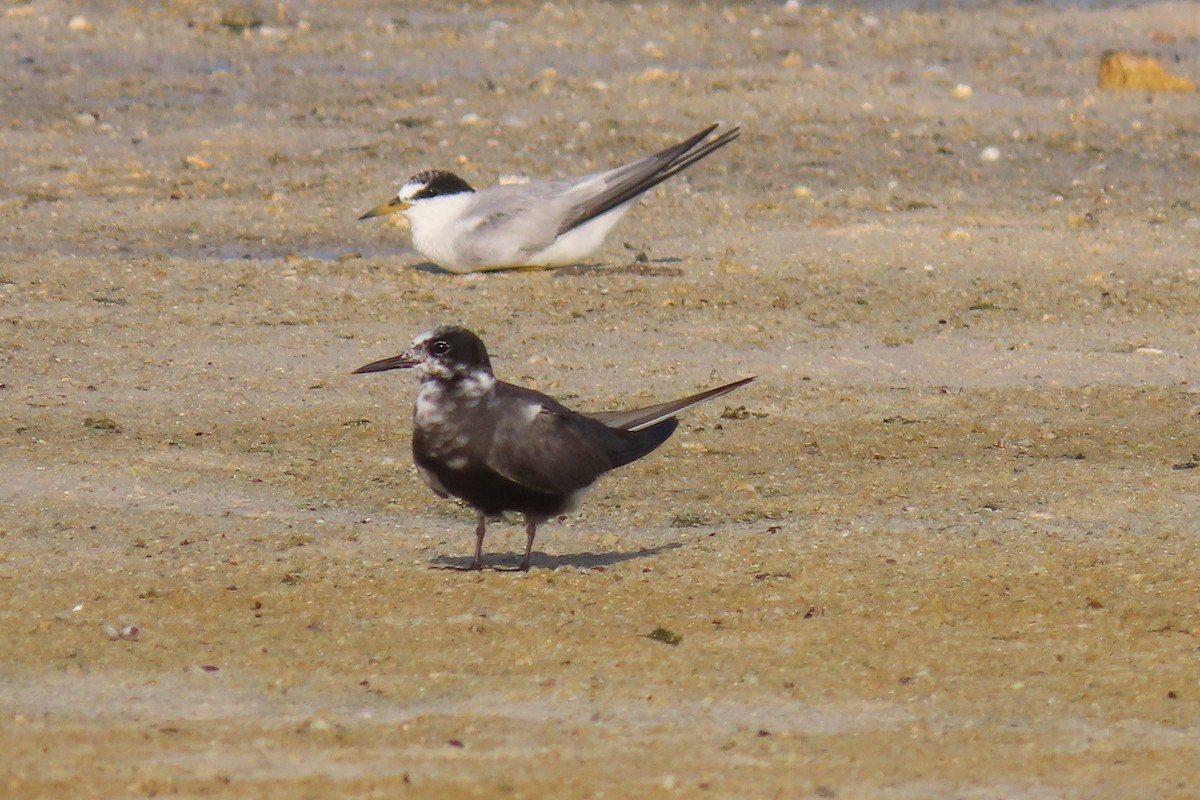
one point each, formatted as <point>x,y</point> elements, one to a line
<point>438,224</point>
<point>445,419</point>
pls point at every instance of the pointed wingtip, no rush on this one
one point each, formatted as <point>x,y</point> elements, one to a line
<point>727,136</point>
<point>641,418</point>
<point>729,387</point>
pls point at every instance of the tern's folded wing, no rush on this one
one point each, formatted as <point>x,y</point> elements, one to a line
<point>622,184</point>
<point>547,449</point>
<point>511,223</point>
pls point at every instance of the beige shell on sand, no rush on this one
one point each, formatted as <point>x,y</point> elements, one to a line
<point>1124,69</point>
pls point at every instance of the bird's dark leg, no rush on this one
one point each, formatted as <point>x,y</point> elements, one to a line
<point>480,530</point>
<point>530,532</point>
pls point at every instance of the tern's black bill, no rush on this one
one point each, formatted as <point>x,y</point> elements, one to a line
<point>403,361</point>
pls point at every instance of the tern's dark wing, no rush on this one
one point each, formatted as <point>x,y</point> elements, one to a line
<point>627,182</point>
<point>642,418</point>
<point>544,446</point>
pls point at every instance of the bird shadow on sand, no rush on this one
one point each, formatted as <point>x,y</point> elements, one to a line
<point>507,562</point>
<point>655,268</point>
<point>431,268</point>
<point>648,267</point>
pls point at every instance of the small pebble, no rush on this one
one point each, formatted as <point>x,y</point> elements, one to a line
<point>545,80</point>
<point>80,23</point>
<point>653,75</point>
<point>127,633</point>
<point>962,91</point>
<point>990,154</point>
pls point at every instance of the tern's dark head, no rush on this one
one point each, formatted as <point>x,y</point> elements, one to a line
<point>422,186</point>
<point>445,353</point>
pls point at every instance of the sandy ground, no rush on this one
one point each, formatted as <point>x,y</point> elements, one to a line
<point>945,546</point>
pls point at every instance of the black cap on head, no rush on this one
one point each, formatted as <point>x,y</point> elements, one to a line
<point>437,183</point>
<point>454,344</point>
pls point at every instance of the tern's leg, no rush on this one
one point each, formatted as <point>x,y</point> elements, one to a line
<point>530,532</point>
<point>480,530</point>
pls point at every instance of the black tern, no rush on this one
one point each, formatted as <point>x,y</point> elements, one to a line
<point>535,224</point>
<point>500,447</point>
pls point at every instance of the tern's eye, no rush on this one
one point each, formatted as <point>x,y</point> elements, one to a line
<point>439,347</point>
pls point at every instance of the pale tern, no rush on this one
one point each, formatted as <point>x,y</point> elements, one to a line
<point>535,224</point>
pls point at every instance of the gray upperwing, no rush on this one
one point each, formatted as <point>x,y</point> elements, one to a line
<point>648,165</point>
<point>512,221</point>
<point>640,418</point>
<point>627,182</point>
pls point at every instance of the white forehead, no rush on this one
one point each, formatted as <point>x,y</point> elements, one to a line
<point>410,189</point>
<point>422,338</point>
